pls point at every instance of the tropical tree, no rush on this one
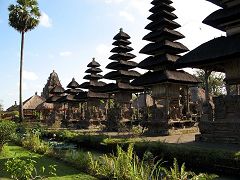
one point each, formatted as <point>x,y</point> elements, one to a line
<point>216,83</point>
<point>23,17</point>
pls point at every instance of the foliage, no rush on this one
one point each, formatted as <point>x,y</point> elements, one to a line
<point>26,169</point>
<point>33,142</point>
<point>216,82</point>
<point>24,16</point>
<point>123,166</point>
<point>7,129</point>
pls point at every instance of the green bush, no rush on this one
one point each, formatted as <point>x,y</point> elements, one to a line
<point>33,142</point>
<point>7,130</point>
<point>26,169</point>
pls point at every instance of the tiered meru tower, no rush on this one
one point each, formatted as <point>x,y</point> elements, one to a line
<point>163,80</point>
<point>93,96</point>
<point>222,122</point>
<point>122,73</point>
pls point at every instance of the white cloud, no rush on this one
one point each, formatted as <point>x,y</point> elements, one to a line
<point>127,16</point>
<point>45,20</point>
<point>103,49</point>
<point>29,75</point>
<point>65,53</point>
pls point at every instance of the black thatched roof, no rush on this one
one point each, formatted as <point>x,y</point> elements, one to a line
<point>163,34</point>
<point>123,42</point>
<point>67,99</point>
<point>72,91</point>
<point>124,65</point>
<point>121,35</point>
<point>93,70</point>
<point>162,14</point>
<point>121,49</point>
<point>83,96</point>
<point>156,2</point>
<point>120,87</point>
<point>154,62</point>
<point>222,19</point>
<point>212,53</point>
<point>151,78</point>
<point>162,22</point>
<point>92,84</point>
<point>93,76</point>
<point>53,99</point>
<point>162,6</point>
<point>93,63</point>
<point>57,90</point>
<point>122,74</point>
<point>164,47</point>
<point>73,84</point>
<point>225,3</point>
<point>122,56</point>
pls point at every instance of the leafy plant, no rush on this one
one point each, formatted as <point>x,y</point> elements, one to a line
<point>33,142</point>
<point>21,169</point>
<point>7,129</point>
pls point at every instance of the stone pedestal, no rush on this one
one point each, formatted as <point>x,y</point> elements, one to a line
<point>224,126</point>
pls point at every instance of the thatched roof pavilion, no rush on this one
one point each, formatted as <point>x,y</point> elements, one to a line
<point>93,85</point>
<point>163,79</point>
<point>121,67</point>
<point>220,54</point>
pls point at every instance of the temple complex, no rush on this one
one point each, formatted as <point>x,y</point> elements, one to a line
<point>122,73</point>
<point>220,122</point>
<point>169,87</point>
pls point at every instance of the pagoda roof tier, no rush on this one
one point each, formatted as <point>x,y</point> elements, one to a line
<point>121,87</point>
<point>225,3</point>
<point>162,23</point>
<point>124,65</point>
<point>162,47</point>
<point>123,42</point>
<point>73,84</point>
<point>57,90</point>
<point>162,14</point>
<point>224,19</point>
<point>67,99</point>
<point>89,95</point>
<point>163,34</point>
<point>162,6</point>
<point>89,85</point>
<point>156,2</point>
<point>122,56</point>
<point>122,74</point>
<point>53,99</point>
<point>165,76</point>
<point>72,91</point>
<point>93,70</point>
<point>121,49</point>
<point>121,35</point>
<point>154,62</point>
<point>212,54</point>
<point>93,76</point>
<point>93,63</point>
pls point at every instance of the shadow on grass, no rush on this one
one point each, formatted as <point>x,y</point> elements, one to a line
<point>63,170</point>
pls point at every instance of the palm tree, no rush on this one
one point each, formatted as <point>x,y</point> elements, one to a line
<point>23,17</point>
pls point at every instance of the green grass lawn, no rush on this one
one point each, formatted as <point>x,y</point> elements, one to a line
<point>64,171</point>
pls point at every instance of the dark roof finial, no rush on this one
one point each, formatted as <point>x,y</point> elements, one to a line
<point>36,94</point>
<point>121,29</point>
<point>93,59</point>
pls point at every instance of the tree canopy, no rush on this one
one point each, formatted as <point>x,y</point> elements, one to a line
<point>216,83</point>
<point>24,16</point>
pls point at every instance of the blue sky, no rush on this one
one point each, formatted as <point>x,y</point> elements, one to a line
<point>71,32</point>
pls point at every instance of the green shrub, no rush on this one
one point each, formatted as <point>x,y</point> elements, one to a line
<point>33,142</point>
<point>7,129</point>
<point>26,169</point>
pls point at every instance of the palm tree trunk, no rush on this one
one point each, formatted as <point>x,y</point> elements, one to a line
<point>20,80</point>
